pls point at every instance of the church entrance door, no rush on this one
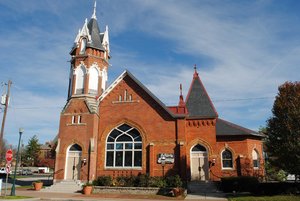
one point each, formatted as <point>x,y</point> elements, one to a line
<point>199,163</point>
<point>73,163</point>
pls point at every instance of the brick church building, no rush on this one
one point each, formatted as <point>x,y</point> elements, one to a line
<point>124,129</point>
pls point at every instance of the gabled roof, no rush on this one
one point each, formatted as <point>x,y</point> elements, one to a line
<point>225,128</point>
<point>198,102</point>
<point>127,73</point>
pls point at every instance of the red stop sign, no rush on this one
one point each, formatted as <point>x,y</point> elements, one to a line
<point>9,155</point>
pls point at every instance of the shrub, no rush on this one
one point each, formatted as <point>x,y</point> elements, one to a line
<point>143,180</point>
<point>174,181</point>
<point>277,188</point>
<point>239,184</point>
<point>157,182</point>
<point>126,181</point>
<point>103,181</point>
<point>88,184</point>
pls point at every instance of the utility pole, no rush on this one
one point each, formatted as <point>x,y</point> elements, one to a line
<point>4,115</point>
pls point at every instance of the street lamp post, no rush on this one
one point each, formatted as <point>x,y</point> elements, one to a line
<point>13,188</point>
<point>163,163</point>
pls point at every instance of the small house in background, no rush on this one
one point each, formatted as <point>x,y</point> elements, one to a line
<point>47,155</point>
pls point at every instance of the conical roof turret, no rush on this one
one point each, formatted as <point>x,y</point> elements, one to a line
<point>198,102</point>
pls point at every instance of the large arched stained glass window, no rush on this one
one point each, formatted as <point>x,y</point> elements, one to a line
<point>124,148</point>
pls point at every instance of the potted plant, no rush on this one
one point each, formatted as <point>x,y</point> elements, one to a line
<point>37,185</point>
<point>87,189</point>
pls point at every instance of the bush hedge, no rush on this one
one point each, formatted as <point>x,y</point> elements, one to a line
<point>142,180</point>
<point>252,185</point>
<point>239,184</point>
<point>278,188</point>
<point>103,181</point>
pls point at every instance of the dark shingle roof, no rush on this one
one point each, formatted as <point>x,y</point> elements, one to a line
<point>95,34</point>
<point>225,128</point>
<point>198,102</point>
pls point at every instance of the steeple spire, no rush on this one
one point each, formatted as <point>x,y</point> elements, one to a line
<point>94,13</point>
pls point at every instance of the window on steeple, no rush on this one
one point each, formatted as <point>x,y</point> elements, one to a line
<point>70,83</point>
<point>104,79</point>
<point>93,81</point>
<point>82,46</point>
<point>80,73</point>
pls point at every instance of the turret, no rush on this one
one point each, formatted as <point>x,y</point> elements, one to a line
<point>90,60</point>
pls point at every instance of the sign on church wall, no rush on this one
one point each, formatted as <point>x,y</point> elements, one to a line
<point>165,158</point>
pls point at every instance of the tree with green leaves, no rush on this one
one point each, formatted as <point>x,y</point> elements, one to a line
<point>4,148</point>
<point>283,129</point>
<point>32,151</point>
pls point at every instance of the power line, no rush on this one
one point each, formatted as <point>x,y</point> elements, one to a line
<point>37,107</point>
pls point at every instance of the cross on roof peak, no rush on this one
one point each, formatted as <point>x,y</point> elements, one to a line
<point>195,73</point>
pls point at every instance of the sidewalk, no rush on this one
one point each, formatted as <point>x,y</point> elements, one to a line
<point>47,196</point>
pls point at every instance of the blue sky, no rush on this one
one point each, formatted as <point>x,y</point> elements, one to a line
<point>243,49</point>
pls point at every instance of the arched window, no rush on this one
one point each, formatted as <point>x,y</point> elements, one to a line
<point>227,159</point>
<point>104,79</point>
<point>93,81</point>
<point>124,148</point>
<point>80,73</point>
<point>255,158</point>
<point>198,147</point>
<point>82,46</point>
<point>75,147</point>
<point>70,83</point>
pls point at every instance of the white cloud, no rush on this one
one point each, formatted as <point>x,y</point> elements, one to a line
<point>241,48</point>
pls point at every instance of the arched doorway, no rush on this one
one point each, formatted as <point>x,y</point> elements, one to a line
<point>199,163</point>
<point>73,162</point>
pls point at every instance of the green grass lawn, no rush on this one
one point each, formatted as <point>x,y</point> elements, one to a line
<point>13,197</point>
<point>265,198</point>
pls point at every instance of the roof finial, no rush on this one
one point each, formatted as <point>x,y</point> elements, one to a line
<point>180,87</point>
<point>94,14</point>
<point>195,73</point>
<point>181,101</point>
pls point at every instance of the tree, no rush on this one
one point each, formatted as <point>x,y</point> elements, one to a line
<point>32,151</point>
<point>4,148</point>
<point>283,129</point>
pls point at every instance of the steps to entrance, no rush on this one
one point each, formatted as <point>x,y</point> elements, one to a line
<point>64,187</point>
<point>204,190</point>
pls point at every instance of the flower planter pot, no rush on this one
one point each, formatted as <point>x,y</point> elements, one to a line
<point>37,185</point>
<point>87,190</point>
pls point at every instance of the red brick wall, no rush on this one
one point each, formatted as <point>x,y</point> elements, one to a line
<point>156,126</point>
<point>161,133</point>
<point>241,149</point>
<point>80,134</point>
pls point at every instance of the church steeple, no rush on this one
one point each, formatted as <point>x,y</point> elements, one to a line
<point>90,59</point>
